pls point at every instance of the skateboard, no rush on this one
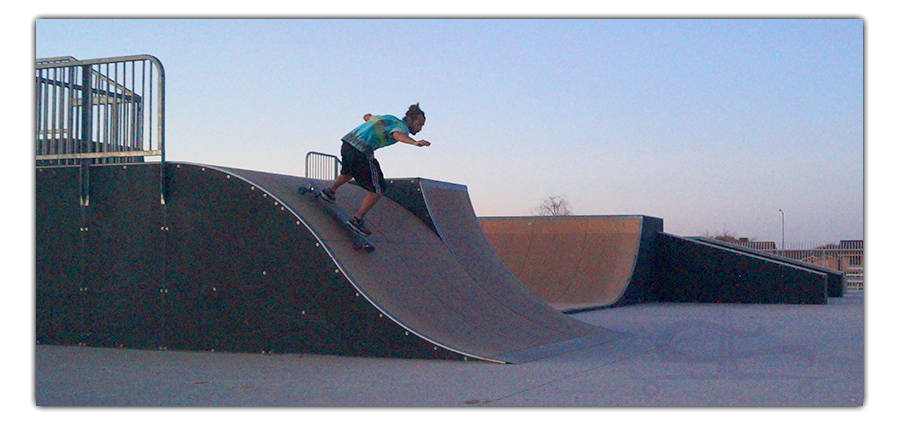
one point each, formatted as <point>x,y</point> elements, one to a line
<point>359,241</point>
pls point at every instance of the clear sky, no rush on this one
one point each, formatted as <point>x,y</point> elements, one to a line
<point>711,124</point>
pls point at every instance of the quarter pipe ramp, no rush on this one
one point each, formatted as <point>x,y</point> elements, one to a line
<point>578,262</point>
<point>572,263</point>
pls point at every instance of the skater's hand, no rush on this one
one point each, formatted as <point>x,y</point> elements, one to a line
<point>404,138</point>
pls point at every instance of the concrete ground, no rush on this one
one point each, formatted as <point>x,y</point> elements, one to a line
<point>670,355</point>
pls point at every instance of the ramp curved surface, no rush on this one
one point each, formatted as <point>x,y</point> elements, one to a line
<point>447,209</point>
<point>249,264</point>
<point>578,263</point>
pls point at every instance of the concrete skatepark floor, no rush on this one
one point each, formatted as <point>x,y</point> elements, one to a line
<point>683,355</point>
<point>776,369</point>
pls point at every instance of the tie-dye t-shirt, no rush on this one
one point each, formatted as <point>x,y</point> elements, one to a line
<point>375,133</point>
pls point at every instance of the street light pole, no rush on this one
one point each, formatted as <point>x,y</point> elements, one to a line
<point>782,228</point>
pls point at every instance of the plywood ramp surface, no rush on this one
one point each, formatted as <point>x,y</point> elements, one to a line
<point>571,262</point>
<point>415,280</point>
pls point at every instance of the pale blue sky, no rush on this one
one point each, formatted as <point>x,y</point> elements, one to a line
<point>711,124</point>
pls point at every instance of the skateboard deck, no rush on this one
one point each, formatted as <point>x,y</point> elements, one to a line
<point>360,242</point>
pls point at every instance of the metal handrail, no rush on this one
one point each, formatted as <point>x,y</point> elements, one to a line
<point>97,110</point>
<point>324,166</point>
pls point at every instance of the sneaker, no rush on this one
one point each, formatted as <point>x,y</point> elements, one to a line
<point>327,195</point>
<point>359,226</point>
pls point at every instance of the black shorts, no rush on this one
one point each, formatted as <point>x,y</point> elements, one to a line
<point>364,169</point>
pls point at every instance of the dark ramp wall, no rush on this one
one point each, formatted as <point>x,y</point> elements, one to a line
<point>238,260</point>
<point>693,271</point>
<point>835,278</point>
<point>221,266</point>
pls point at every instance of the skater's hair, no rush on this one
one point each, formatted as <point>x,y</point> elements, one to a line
<point>413,112</point>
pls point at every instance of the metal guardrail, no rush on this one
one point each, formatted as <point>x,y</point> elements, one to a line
<point>105,110</point>
<point>322,166</point>
<point>853,278</point>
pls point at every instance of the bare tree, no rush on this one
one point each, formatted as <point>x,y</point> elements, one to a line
<point>727,237</point>
<point>554,206</point>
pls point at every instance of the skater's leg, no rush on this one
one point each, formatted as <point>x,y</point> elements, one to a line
<point>340,181</point>
<point>327,193</point>
<point>367,204</point>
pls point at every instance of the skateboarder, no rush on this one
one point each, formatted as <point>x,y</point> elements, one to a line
<point>358,156</point>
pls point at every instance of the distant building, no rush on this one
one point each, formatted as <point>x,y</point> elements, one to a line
<point>846,256</point>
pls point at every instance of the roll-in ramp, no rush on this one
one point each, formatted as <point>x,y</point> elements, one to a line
<point>238,260</point>
<point>447,209</point>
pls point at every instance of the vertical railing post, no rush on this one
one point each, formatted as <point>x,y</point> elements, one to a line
<point>161,130</point>
<point>86,131</point>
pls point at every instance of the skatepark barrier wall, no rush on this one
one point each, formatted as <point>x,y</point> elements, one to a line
<point>836,282</point>
<point>689,270</point>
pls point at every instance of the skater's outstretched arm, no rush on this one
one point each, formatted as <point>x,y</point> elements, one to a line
<point>404,138</point>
